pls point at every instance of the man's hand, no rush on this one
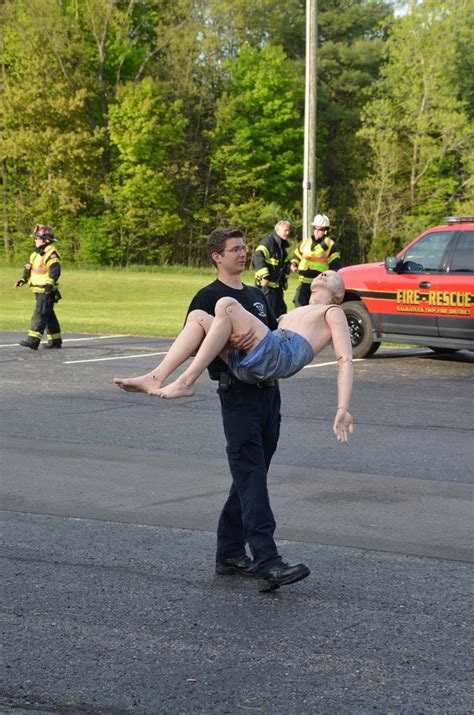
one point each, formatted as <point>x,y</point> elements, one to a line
<point>242,341</point>
<point>19,283</point>
<point>343,425</point>
<point>293,267</point>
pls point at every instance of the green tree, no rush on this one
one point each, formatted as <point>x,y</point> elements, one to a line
<point>144,132</point>
<point>54,104</point>
<point>418,127</point>
<point>227,75</point>
<point>258,137</point>
<point>46,148</point>
<point>352,36</point>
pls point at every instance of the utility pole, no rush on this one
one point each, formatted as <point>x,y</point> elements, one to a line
<point>309,176</point>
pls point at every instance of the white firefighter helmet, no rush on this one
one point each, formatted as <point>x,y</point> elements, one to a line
<point>321,221</point>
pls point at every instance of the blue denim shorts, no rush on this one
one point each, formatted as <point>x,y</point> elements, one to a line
<point>280,354</point>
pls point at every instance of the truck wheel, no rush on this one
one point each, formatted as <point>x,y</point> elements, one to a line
<point>360,328</point>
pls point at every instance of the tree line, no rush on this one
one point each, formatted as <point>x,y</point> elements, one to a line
<point>134,127</point>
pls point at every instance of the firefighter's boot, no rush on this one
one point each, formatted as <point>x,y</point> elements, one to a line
<point>30,342</point>
<point>53,344</point>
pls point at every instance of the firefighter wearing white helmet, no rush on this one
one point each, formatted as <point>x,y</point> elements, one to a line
<point>42,273</point>
<point>314,256</point>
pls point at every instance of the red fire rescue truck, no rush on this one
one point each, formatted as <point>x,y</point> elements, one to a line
<point>424,295</point>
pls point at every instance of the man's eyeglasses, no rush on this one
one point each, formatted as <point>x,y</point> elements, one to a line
<point>235,250</point>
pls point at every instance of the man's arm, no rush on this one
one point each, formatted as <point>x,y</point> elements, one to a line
<point>295,259</point>
<point>25,276</point>
<point>334,257</point>
<point>259,260</point>
<point>54,269</point>
<point>341,341</point>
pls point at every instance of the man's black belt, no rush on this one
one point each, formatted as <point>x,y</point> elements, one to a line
<point>226,381</point>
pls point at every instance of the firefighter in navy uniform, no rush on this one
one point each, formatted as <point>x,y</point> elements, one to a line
<point>42,273</point>
<point>273,266</point>
<point>314,256</point>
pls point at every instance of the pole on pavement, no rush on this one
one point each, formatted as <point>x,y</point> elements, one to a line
<point>309,175</point>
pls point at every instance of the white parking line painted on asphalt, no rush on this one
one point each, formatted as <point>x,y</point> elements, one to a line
<point>129,357</point>
<point>96,337</point>
<point>118,357</point>
<point>75,340</point>
<point>333,362</point>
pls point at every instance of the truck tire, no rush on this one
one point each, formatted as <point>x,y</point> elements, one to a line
<point>360,328</point>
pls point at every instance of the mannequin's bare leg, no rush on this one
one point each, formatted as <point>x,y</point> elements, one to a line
<point>185,345</point>
<point>230,318</point>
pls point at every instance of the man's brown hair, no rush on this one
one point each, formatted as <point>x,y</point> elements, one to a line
<point>217,239</point>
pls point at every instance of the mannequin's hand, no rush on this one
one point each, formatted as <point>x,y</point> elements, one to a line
<point>343,425</point>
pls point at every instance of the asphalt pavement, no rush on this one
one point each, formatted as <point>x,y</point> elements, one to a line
<point>110,502</point>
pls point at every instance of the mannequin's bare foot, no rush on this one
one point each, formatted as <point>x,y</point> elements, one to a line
<point>177,389</point>
<point>143,383</point>
<point>154,388</point>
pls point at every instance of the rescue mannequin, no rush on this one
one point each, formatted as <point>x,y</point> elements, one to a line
<point>302,334</point>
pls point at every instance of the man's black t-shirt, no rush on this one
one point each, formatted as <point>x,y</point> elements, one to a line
<point>249,297</point>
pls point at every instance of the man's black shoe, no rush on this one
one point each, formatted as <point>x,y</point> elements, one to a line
<point>29,343</point>
<point>281,575</point>
<point>237,565</point>
<point>52,345</point>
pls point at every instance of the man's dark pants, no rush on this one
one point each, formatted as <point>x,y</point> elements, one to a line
<point>275,299</point>
<point>302,295</point>
<point>44,316</point>
<point>251,418</point>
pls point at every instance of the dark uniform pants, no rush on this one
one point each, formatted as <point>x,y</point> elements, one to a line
<point>302,295</point>
<point>251,418</point>
<point>44,318</point>
<point>275,299</point>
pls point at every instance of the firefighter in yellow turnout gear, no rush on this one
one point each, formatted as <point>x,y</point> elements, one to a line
<point>314,256</point>
<point>42,273</point>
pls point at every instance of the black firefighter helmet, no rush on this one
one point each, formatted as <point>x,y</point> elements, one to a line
<point>44,232</point>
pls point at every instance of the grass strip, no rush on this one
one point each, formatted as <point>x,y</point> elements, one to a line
<point>133,301</point>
